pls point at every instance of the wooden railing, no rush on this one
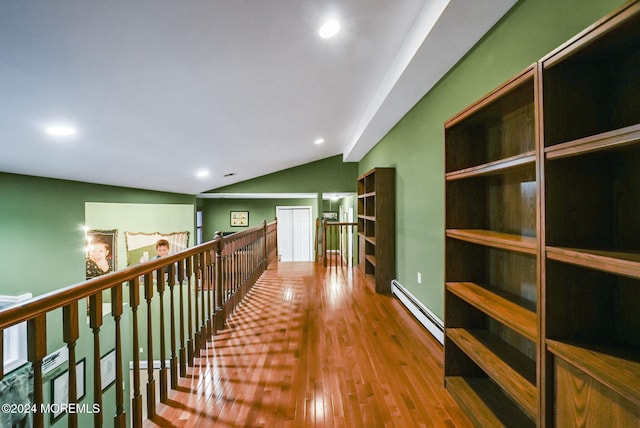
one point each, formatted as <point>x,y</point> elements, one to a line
<point>338,243</point>
<point>202,284</point>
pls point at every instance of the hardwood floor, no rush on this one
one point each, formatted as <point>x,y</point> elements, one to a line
<point>316,347</point>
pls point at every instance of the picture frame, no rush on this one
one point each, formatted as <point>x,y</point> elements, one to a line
<point>330,216</point>
<point>239,218</point>
<point>142,246</point>
<point>100,252</point>
<point>60,389</point>
<point>108,369</point>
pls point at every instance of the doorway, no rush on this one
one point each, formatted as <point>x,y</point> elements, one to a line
<point>294,233</point>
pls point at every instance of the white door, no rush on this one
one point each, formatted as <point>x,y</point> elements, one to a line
<point>294,233</point>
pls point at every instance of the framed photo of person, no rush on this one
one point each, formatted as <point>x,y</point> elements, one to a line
<point>100,252</point>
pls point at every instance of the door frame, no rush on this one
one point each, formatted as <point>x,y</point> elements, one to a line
<point>310,209</point>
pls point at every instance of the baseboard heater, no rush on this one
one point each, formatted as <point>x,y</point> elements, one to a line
<point>428,319</point>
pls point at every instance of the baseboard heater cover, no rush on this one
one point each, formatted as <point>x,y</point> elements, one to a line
<point>428,319</point>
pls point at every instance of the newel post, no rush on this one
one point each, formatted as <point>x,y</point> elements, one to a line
<point>324,242</point>
<point>219,314</point>
<point>265,254</point>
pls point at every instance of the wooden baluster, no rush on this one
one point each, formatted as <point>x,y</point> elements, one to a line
<point>173,362</point>
<point>265,244</point>
<point>151,382</point>
<point>203,318</point>
<point>340,254</point>
<point>37,349</point>
<point>218,282</point>
<point>341,245</point>
<point>183,356</point>
<point>336,240</point>
<point>163,365</point>
<point>196,308</point>
<point>207,255</point>
<point>324,242</point>
<point>120,418</point>
<point>70,334</point>
<point>136,400</point>
<point>190,337</point>
<point>95,322</point>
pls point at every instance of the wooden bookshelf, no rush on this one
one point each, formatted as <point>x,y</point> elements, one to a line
<point>486,404</point>
<point>514,372</point>
<point>542,296</point>
<point>376,226</point>
<point>492,248</point>
<point>591,164</point>
<point>508,310</point>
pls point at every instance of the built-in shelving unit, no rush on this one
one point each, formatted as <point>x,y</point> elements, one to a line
<point>591,143</point>
<point>376,227</point>
<point>542,296</point>
<point>491,340</point>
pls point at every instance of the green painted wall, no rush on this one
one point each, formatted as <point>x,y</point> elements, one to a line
<point>41,235</point>
<point>326,175</point>
<point>415,145</point>
<point>42,249</point>
<point>216,212</point>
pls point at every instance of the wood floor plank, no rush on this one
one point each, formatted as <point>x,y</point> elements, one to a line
<point>315,347</point>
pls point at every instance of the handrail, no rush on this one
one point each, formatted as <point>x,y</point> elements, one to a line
<point>203,284</point>
<point>61,297</point>
<point>335,248</point>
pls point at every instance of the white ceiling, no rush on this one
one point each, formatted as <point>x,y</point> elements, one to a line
<point>159,89</point>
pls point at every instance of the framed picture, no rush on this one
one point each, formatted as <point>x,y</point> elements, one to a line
<point>108,369</point>
<point>14,339</point>
<point>100,252</point>
<point>60,389</point>
<point>330,215</point>
<point>239,218</point>
<point>143,246</point>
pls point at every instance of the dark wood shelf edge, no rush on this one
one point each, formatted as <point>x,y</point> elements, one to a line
<point>367,217</point>
<point>495,167</point>
<point>619,263</point>
<point>604,141</point>
<point>480,348</point>
<point>366,195</point>
<point>516,81</point>
<point>497,307</point>
<point>505,241</point>
<point>611,368</point>
<point>485,404</point>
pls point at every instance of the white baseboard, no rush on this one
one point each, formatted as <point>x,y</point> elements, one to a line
<point>428,319</point>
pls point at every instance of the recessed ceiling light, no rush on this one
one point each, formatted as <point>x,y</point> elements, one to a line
<point>329,29</point>
<point>202,173</point>
<point>61,130</point>
<point>319,141</point>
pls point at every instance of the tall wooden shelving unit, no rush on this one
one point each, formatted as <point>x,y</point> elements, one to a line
<point>376,227</point>
<point>491,342</point>
<point>591,141</point>
<point>542,298</point>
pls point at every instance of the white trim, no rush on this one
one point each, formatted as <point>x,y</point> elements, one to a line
<point>428,319</point>
<point>14,338</point>
<point>311,226</point>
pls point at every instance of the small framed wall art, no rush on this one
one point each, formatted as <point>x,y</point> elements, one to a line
<point>239,218</point>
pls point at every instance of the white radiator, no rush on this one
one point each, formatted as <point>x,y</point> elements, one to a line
<point>428,319</point>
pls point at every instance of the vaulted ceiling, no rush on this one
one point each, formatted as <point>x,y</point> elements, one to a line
<point>176,95</point>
